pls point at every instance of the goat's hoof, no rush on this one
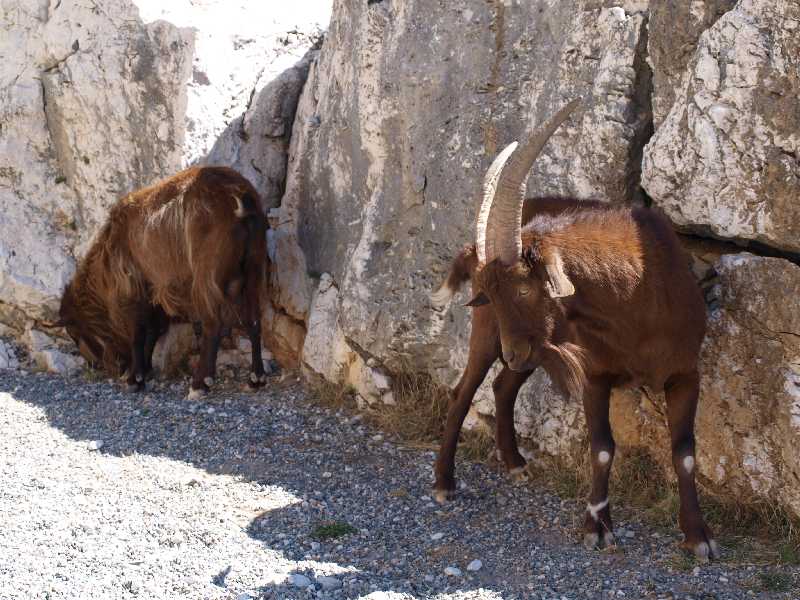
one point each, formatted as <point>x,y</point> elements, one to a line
<point>704,551</point>
<point>195,393</point>
<point>591,541</point>
<point>594,540</point>
<point>256,381</point>
<point>135,384</point>
<point>442,496</point>
<point>519,474</point>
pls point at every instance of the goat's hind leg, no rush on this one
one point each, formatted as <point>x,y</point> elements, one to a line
<point>252,319</point>
<point>681,394</point>
<point>139,351</point>
<point>597,526</point>
<point>205,369</point>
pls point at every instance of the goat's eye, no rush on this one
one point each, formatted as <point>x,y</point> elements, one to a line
<point>524,291</point>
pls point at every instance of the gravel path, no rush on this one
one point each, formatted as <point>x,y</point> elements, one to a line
<point>224,498</point>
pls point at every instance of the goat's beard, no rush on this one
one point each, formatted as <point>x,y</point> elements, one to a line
<point>567,367</point>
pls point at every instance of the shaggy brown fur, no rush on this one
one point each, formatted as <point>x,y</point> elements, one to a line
<point>636,317</point>
<point>191,247</point>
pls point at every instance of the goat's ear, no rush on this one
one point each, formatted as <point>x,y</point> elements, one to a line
<point>479,300</point>
<point>558,284</point>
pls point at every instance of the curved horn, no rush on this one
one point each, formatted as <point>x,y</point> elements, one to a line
<point>504,239</point>
<point>489,187</point>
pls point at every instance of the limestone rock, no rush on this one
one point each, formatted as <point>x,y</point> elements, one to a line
<point>670,48</point>
<point>726,159</point>
<point>402,113</point>
<point>749,415</point>
<point>56,361</point>
<point>8,358</point>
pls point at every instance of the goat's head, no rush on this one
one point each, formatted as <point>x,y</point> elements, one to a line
<point>76,318</point>
<point>520,283</point>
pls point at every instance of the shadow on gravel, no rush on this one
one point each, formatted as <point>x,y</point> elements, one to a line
<point>362,514</point>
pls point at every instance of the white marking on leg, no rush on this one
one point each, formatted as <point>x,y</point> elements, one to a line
<point>139,379</point>
<point>195,394</point>
<point>701,552</point>
<point>209,381</point>
<point>603,457</point>
<point>253,377</point>
<point>594,509</point>
<point>688,464</point>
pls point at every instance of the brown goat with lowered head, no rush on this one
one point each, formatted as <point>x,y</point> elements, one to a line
<point>191,247</point>
<point>599,297</point>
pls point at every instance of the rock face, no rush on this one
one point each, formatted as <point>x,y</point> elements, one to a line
<point>670,48</point>
<point>402,114</point>
<point>726,159</point>
<point>750,406</point>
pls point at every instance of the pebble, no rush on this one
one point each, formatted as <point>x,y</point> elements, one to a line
<point>329,583</point>
<point>95,444</point>
<point>452,571</point>
<point>437,536</point>
<point>297,580</point>
<point>475,565</point>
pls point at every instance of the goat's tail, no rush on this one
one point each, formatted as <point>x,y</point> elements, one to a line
<point>255,256</point>
<point>461,270</point>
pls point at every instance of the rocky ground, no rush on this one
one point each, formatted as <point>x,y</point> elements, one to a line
<point>271,495</point>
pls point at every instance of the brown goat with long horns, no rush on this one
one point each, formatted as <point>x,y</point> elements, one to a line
<point>192,248</point>
<point>599,297</point>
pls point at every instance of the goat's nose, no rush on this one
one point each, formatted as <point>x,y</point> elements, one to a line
<point>508,356</point>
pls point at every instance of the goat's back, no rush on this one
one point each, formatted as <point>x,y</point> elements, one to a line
<point>637,310</point>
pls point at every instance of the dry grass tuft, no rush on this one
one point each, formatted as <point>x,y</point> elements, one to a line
<point>417,417</point>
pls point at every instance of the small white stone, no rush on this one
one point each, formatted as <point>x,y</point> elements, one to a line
<point>475,565</point>
<point>723,579</point>
<point>297,580</point>
<point>95,444</point>
<point>437,536</point>
<point>603,457</point>
<point>315,545</point>
<point>327,475</point>
<point>696,571</point>
<point>630,534</point>
<point>452,571</point>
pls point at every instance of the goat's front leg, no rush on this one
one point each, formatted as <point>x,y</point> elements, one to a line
<point>138,372</point>
<point>597,526</point>
<point>681,395</point>
<point>484,349</point>
<point>506,387</point>
<point>206,367</point>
